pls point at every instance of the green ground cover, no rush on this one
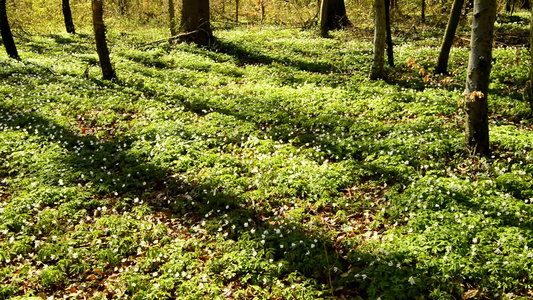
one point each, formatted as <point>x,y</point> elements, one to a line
<point>267,167</point>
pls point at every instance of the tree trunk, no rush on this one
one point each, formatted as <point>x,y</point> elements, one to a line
<point>337,18</point>
<point>236,11</point>
<point>390,49</point>
<point>477,81</point>
<point>195,22</point>
<point>101,43</point>
<point>453,21</point>
<point>508,5</point>
<point>423,11</point>
<point>528,90</point>
<point>324,18</point>
<point>380,36</point>
<point>67,14</point>
<point>7,36</point>
<point>172,18</point>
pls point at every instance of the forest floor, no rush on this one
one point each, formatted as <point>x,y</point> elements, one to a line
<point>267,166</point>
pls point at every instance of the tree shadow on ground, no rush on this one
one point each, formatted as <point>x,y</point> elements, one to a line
<point>113,171</point>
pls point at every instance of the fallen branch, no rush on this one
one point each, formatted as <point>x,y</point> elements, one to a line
<point>169,39</point>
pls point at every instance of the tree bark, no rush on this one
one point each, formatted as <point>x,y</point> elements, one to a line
<point>528,90</point>
<point>67,14</point>
<point>337,18</point>
<point>447,42</point>
<point>195,20</point>
<point>477,81</point>
<point>380,36</point>
<point>324,18</point>
<point>7,36</point>
<point>236,11</point>
<point>390,49</point>
<point>101,42</point>
<point>172,18</point>
<point>423,11</point>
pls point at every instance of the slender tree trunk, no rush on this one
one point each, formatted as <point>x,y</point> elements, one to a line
<point>447,42</point>
<point>337,18</point>
<point>172,18</point>
<point>324,18</point>
<point>7,36</point>
<point>380,36</point>
<point>101,42</point>
<point>528,90</point>
<point>423,11</point>
<point>477,81</point>
<point>508,5</point>
<point>67,14</point>
<point>390,49</point>
<point>236,11</point>
<point>195,22</point>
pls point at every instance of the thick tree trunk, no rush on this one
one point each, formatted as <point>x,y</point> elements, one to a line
<point>195,22</point>
<point>7,36</point>
<point>172,18</point>
<point>67,14</point>
<point>453,21</point>
<point>390,49</point>
<point>477,81</point>
<point>101,43</point>
<point>380,36</point>
<point>337,18</point>
<point>324,18</point>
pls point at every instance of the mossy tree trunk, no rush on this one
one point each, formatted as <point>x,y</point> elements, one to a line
<point>195,22</point>
<point>324,18</point>
<point>390,46</point>
<point>67,14</point>
<point>101,43</point>
<point>172,18</point>
<point>7,35</point>
<point>337,18</point>
<point>447,42</point>
<point>477,81</point>
<point>380,36</point>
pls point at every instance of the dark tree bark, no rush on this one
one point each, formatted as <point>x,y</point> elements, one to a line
<point>508,5</point>
<point>67,14</point>
<point>195,22</point>
<point>7,36</point>
<point>324,18</point>
<point>337,18</point>
<point>423,11</point>
<point>236,11</point>
<point>477,81</point>
<point>172,18</point>
<point>447,42</point>
<point>390,49</point>
<point>380,35</point>
<point>101,42</point>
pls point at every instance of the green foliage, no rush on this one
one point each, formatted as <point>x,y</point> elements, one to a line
<point>265,167</point>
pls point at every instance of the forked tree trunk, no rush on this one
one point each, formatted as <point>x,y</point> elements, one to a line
<point>101,42</point>
<point>7,36</point>
<point>324,18</point>
<point>447,42</point>
<point>195,22</point>
<point>380,36</point>
<point>337,18</point>
<point>390,49</point>
<point>172,18</point>
<point>67,14</point>
<point>477,81</point>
